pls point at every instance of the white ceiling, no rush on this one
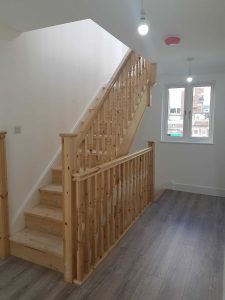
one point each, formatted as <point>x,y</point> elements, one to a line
<point>199,23</point>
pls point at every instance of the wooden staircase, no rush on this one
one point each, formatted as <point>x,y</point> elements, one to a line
<point>41,241</point>
<point>105,135</point>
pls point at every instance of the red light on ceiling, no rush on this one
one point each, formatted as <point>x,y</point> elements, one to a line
<point>172,40</point>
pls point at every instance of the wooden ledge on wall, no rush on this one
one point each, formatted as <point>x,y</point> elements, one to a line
<point>4,232</point>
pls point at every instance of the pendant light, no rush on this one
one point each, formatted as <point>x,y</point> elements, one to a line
<point>189,77</point>
<point>143,27</point>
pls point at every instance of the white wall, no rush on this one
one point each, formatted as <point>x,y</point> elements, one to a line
<point>47,78</point>
<point>188,167</point>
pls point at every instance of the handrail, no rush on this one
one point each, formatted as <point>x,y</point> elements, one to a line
<point>108,121</point>
<point>125,92</point>
<point>106,91</point>
<point>108,165</point>
<point>4,231</point>
<point>105,134</point>
<point>108,201</point>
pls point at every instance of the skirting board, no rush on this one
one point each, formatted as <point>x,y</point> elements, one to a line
<point>197,189</point>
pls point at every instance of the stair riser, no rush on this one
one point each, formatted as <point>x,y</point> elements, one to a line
<point>52,199</point>
<point>42,258</point>
<point>44,225</point>
<point>57,176</point>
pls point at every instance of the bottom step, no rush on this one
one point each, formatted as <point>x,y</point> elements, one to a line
<point>38,247</point>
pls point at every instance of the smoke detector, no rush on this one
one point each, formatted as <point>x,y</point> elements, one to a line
<point>172,40</point>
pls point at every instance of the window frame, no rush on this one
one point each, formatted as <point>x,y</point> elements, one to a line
<point>188,107</point>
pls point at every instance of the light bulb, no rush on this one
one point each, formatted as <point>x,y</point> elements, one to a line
<point>189,79</point>
<point>143,27</point>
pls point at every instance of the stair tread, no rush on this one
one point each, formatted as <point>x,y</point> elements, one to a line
<point>53,188</point>
<point>46,211</point>
<point>40,241</point>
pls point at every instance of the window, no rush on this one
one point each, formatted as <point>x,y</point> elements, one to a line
<point>188,114</point>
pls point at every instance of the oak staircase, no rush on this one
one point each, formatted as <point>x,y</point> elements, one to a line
<point>95,163</point>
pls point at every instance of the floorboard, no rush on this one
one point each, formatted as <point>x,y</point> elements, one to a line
<point>174,252</point>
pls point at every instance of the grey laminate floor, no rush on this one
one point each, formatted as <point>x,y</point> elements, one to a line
<point>174,252</point>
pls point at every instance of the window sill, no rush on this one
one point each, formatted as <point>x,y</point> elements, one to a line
<point>188,142</point>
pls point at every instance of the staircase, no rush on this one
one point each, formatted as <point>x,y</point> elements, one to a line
<point>105,134</point>
<point>41,241</point>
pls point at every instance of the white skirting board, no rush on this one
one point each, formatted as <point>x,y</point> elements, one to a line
<point>205,190</point>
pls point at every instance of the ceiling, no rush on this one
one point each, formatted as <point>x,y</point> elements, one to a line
<point>199,23</point>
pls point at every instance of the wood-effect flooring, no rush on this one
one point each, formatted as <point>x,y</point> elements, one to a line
<point>175,251</point>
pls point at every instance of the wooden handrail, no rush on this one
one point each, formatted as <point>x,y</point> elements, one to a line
<point>4,231</point>
<point>101,168</point>
<point>121,102</point>
<point>102,138</point>
<point>100,99</point>
<point>124,95</point>
<point>108,201</point>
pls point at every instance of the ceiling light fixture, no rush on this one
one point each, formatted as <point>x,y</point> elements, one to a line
<point>189,77</point>
<point>143,27</point>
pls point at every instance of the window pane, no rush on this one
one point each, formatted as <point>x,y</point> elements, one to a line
<point>175,126</point>
<point>201,111</point>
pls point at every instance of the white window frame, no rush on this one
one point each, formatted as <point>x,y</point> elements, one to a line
<point>188,98</point>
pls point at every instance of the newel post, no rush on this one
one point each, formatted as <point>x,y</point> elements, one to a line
<point>68,165</point>
<point>152,166</point>
<point>4,227</point>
